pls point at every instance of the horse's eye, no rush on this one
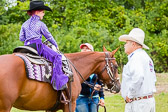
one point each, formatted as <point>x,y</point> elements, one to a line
<point>116,67</point>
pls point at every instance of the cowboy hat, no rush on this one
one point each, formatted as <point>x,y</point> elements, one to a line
<point>137,35</point>
<point>88,45</point>
<point>38,5</point>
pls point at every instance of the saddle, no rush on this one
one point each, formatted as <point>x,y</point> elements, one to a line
<point>29,53</point>
<point>36,65</point>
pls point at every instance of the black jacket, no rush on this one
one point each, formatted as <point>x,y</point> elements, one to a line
<point>87,91</point>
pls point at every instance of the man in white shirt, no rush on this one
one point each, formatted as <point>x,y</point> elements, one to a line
<point>138,77</point>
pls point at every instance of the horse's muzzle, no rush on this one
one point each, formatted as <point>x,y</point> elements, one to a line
<point>115,88</point>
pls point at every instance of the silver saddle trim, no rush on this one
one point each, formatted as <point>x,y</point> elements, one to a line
<point>63,57</point>
<point>26,47</point>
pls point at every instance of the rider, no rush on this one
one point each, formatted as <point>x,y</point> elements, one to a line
<point>31,33</point>
<point>85,103</point>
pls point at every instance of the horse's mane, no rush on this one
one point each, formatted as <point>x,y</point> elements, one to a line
<point>82,55</point>
<point>84,61</point>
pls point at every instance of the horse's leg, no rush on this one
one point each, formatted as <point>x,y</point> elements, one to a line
<point>76,88</point>
<point>10,81</point>
<point>8,94</point>
<point>66,108</point>
<point>5,105</point>
<point>73,106</point>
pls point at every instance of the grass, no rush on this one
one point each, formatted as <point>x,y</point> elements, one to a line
<point>162,102</point>
<point>115,103</point>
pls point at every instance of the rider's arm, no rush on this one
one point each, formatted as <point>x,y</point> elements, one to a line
<point>48,35</point>
<point>22,34</point>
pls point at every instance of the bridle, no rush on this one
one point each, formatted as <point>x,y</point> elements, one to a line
<point>110,72</point>
<point>111,69</point>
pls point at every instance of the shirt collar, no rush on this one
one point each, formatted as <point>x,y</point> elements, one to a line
<point>91,76</point>
<point>35,17</point>
<point>130,55</point>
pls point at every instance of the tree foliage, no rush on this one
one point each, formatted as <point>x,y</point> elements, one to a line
<point>99,22</point>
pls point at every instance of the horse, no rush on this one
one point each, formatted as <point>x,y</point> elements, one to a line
<point>16,90</point>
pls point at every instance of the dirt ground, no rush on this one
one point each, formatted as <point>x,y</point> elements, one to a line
<point>161,84</point>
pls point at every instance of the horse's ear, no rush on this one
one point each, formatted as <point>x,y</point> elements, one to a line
<point>113,52</point>
<point>104,49</point>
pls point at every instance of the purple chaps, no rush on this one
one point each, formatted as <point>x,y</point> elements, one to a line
<point>58,77</point>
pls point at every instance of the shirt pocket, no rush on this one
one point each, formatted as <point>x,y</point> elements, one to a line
<point>126,71</point>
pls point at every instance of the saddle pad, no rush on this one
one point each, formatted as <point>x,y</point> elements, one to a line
<point>35,71</point>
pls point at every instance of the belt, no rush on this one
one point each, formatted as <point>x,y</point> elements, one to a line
<point>139,98</point>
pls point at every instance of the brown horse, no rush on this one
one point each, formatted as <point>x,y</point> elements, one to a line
<point>20,92</point>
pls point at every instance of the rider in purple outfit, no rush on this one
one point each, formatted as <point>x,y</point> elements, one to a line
<point>31,33</point>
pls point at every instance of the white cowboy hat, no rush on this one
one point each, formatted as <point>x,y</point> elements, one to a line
<point>136,35</point>
<point>88,45</point>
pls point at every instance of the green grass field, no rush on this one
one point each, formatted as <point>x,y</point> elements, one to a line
<point>115,103</point>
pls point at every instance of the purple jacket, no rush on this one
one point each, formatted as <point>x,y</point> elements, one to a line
<point>33,28</point>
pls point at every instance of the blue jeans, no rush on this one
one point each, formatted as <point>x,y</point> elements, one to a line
<point>85,104</point>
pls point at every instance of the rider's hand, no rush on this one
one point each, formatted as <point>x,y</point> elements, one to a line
<point>54,48</point>
<point>101,102</point>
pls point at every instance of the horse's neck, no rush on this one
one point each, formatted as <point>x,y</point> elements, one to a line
<point>86,62</point>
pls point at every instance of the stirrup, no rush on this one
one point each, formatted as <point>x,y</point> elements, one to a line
<point>65,97</point>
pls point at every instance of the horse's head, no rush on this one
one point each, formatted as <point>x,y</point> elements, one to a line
<point>109,73</point>
<point>101,63</point>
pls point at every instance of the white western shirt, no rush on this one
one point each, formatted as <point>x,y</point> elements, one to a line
<point>138,77</point>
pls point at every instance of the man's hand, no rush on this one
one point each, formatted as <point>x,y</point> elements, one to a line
<point>128,100</point>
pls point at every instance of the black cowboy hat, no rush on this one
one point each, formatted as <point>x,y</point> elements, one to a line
<point>38,5</point>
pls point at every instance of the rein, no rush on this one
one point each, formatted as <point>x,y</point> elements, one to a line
<point>109,72</point>
<point>93,100</point>
<point>97,104</point>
